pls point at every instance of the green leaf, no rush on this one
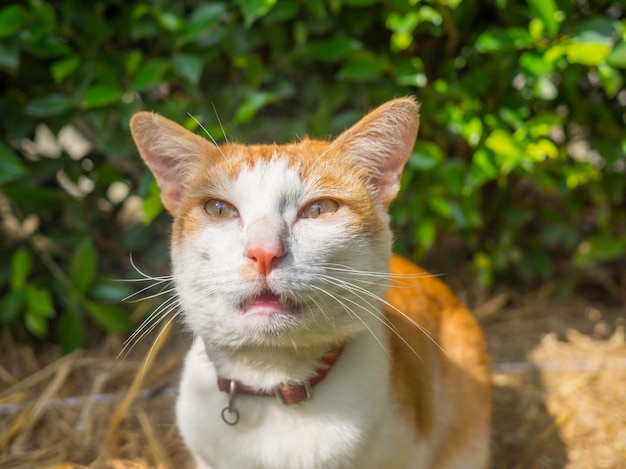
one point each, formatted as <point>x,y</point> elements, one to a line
<point>362,69</point>
<point>49,105</point>
<point>254,102</point>
<point>334,49</point>
<point>359,3</point>
<point>83,265</point>
<point>133,61</point>
<point>284,10</point>
<point>484,161</point>
<point>254,9</point>
<point>71,329</point>
<point>411,73</point>
<point>451,174</point>
<point>599,249</point>
<point>109,317</point>
<point>611,79</point>
<point>440,206</point>
<point>503,40</point>
<point>110,291</point>
<point>100,96</point>
<point>203,19</point>
<point>587,53</point>
<point>36,325</point>
<point>617,56</point>
<point>11,168</point>
<point>426,233</point>
<point>170,21</point>
<point>39,309</point>
<point>63,68</point>
<point>507,151</point>
<point>402,26</point>
<point>426,156</point>
<point>547,11</point>
<point>9,54</point>
<point>482,170</point>
<point>12,20</point>
<point>535,64</point>
<point>150,74</point>
<point>152,203</point>
<point>11,306</point>
<point>21,266</point>
<point>188,66</point>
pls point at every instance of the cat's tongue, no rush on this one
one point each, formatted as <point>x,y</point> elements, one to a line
<point>266,303</point>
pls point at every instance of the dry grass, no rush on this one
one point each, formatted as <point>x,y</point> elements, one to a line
<point>559,402</point>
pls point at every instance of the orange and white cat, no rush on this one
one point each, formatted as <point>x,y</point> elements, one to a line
<point>314,346</point>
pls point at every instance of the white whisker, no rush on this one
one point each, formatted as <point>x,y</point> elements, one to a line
<point>149,297</point>
<point>353,314</point>
<point>355,288</point>
<point>154,342</point>
<point>204,129</point>
<point>219,121</point>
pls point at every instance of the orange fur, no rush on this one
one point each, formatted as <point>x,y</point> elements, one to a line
<point>448,389</point>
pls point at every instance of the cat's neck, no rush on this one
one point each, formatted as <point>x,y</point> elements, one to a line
<point>267,367</point>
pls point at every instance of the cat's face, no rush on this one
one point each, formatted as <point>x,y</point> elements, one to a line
<point>280,245</point>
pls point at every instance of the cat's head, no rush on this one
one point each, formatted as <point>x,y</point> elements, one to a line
<point>280,244</point>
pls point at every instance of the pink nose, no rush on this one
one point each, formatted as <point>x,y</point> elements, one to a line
<point>265,260</point>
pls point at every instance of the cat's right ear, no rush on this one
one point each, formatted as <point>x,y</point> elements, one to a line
<point>170,151</point>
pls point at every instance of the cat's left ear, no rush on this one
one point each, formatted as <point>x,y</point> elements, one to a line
<point>171,152</point>
<point>382,141</point>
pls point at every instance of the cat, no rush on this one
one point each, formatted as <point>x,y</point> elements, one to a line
<point>314,346</point>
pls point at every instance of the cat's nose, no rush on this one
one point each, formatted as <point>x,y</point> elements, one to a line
<point>265,260</point>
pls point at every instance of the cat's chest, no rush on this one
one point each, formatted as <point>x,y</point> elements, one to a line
<point>351,421</point>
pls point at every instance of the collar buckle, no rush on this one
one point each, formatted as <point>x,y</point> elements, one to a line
<point>293,393</point>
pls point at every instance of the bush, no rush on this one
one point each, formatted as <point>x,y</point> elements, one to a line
<point>519,168</point>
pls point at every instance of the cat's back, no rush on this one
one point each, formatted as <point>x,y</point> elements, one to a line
<point>440,366</point>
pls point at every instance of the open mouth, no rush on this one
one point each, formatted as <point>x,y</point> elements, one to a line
<point>268,303</point>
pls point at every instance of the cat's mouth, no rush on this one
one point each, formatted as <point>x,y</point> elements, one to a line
<point>268,303</point>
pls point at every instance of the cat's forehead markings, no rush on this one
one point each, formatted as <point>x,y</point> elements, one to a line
<point>267,184</point>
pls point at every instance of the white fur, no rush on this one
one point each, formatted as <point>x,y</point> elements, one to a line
<point>350,422</point>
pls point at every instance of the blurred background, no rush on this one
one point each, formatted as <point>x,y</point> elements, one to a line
<point>518,174</point>
<point>516,184</point>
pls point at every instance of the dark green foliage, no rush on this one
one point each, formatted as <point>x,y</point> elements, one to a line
<point>519,170</point>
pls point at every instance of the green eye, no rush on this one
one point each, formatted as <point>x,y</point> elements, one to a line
<point>220,209</point>
<point>320,208</point>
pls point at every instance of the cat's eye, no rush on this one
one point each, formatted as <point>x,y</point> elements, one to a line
<point>220,209</point>
<point>320,208</point>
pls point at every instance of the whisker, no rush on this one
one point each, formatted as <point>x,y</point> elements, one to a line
<point>164,331</point>
<point>149,297</point>
<point>386,275</point>
<point>219,121</point>
<point>348,286</point>
<point>352,313</point>
<point>150,323</point>
<point>204,129</point>
<point>329,318</point>
<point>143,274</point>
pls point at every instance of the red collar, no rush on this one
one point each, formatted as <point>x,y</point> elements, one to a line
<point>287,393</point>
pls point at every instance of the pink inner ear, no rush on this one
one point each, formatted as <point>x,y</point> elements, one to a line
<point>169,177</point>
<point>171,200</point>
<point>383,141</point>
<point>170,151</point>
